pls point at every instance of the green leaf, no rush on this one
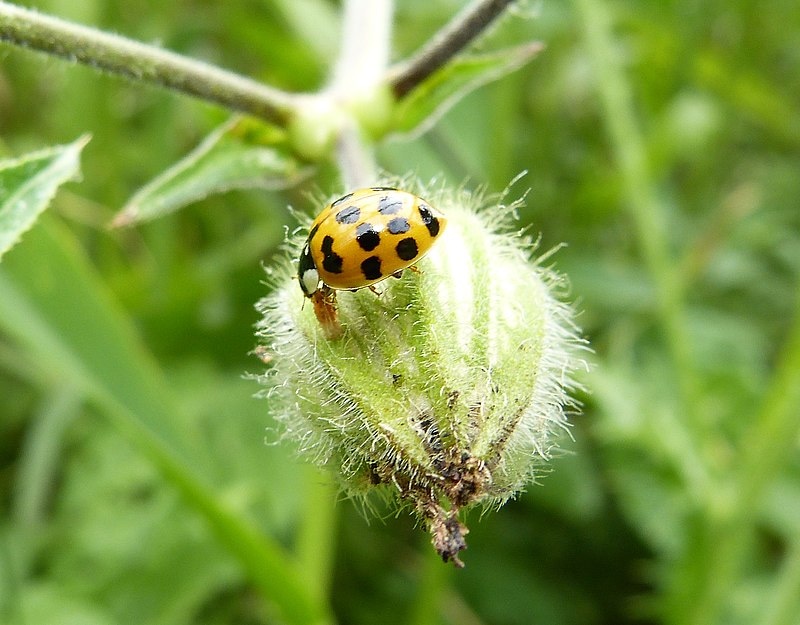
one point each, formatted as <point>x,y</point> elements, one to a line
<point>242,153</point>
<point>28,183</point>
<point>427,102</point>
<point>52,301</point>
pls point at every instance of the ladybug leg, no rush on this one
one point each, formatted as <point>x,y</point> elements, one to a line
<point>324,301</point>
<point>412,268</point>
<point>374,290</point>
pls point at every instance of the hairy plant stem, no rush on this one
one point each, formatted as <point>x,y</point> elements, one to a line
<point>449,41</point>
<point>141,62</point>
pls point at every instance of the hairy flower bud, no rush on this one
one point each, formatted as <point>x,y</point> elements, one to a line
<point>445,385</point>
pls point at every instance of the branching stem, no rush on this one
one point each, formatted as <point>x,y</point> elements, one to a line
<point>448,42</point>
<point>150,64</point>
<point>141,62</point>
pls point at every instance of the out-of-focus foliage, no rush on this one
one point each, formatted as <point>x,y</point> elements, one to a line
<point>684,110</point>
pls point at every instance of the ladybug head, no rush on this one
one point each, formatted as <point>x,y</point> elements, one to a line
<point>307,272</point>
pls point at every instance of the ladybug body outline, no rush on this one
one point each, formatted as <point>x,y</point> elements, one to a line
<point>366,236</point>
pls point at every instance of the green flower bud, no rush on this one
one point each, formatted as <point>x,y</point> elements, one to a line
<point>445,386</point>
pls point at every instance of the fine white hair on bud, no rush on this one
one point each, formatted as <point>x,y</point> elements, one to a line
<point>446,385</point>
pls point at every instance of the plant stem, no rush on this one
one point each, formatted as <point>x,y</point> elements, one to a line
<point>432,584</point>
<point>356,159</point>
<point>316,537</point>
<point>448,42</point>
<point>364,55</point>
<point>367,26</point>
<point>141,62</point>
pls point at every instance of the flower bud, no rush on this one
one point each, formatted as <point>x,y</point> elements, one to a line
<point>446,384</point>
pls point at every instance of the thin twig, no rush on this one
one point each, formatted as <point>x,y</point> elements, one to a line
<point>141,62</point>
<point>448,42</point>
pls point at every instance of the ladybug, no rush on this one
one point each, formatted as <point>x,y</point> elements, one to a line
<point>365,237</point>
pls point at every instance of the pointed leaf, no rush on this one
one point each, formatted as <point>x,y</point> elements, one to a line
<point>427,102</point>
<point>28,183</point>
<point>240,154</point>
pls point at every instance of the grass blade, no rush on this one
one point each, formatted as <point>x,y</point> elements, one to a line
<point>51,300</point>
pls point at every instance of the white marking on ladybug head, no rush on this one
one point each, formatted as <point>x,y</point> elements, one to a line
<point>309,281</point>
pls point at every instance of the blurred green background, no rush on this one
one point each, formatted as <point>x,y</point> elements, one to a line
<point>662,147</point>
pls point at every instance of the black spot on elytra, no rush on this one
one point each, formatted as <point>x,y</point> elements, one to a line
<point>331,262</point>
<point>371,268</point>
<point>367,237</point>
<point>431,222</point>
<point>398,225</point>
<point>407,248</point>
<point>389,205</point>
<point>348,215</point>
<point>382,189</point>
